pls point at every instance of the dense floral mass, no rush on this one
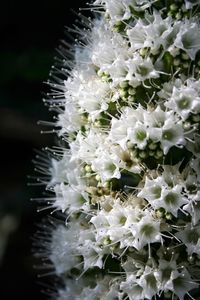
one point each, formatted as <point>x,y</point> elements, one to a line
<point>127,173</point>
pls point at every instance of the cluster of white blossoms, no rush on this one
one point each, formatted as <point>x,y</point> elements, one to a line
<point>126,176</point>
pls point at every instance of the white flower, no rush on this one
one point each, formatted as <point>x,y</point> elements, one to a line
<point>68,198</point>
<point>138,135</point>
<point>119,70</point>
<point>120,127</point>
<point>106,164</point>
<point>159,194</point>
<point>84,289</point>
<point>139,69</point>
<point>88,92</point>
<point>172,135</point>
<point>193,207</point>
<point>188,38</point>
<point>149,282</point>
<point>71,119</point>
<point>103,289</point>
<point>152,189</point>
<point>101,225</point>
<point>86,147</point>
<point>107,47</point>
<point>92,254</point>
<point>194,145</point>
<point>118,231</point>
<point>147,232</point>
<point>167,88</point>
<point>58,172</point>
<point>166,128</point>
<point>118,132</point>
<point>166,269</point>
<point>182,283</point>
<point>114,225</point>
<point>142,4</point>
<point>93,97</point>
<point>190,3</point>
<point>172,175</point>
<point>117,10</point>
<point>133,288</point>
<point>152,34</point>
<point>63,247</point>
<point>195,165</point>
<point>172,200</point>
<point>138,36</point>
<point>141,288</point>
<point>184,101</point>
<point>190,236</point>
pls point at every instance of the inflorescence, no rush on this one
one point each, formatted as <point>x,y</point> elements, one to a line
<point>126,174</point>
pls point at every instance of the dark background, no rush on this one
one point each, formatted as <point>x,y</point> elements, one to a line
<point>29,33</point>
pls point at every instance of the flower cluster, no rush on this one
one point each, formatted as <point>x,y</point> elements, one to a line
<point>126,176</point>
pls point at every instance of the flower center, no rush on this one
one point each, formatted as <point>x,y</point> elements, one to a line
<point>168,135</point>
<point>171,198</point>
<point>141,135</point>
<point>183,103</point>
<point>142,70</point>
<point>156,191</point>
<point>192,237</point>
<point>147,230</point>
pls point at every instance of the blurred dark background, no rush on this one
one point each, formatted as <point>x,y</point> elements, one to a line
<point>29,32</point>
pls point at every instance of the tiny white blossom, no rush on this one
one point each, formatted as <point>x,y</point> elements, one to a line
<point>70,120</point>
<point>138,135</point>
<point>159,194</point>
<point>184,100</point>
<point>182,283</point>
<point>64,254</point>
<point>190,3</point>
<point>139,69</point>
<point>149,282</point>
<point>172,135</point>
<point>193,207</point>
<point>118,10</point>
<point>195,165</point>
<point>58,173</point>
<point>84,289</point>
<point>190,236</point>
<point>147,231</point>
<point>194,146</point>
<point>172,200</point>
<point>166,269</point>
<point>133,288</point>
<point>121,128</point>
<point>151,35</point>
<point>152,189</point>
<point>188,38</point>
<point>68,198</point>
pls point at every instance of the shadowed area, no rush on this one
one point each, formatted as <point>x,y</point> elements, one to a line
<point>30,32</point>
